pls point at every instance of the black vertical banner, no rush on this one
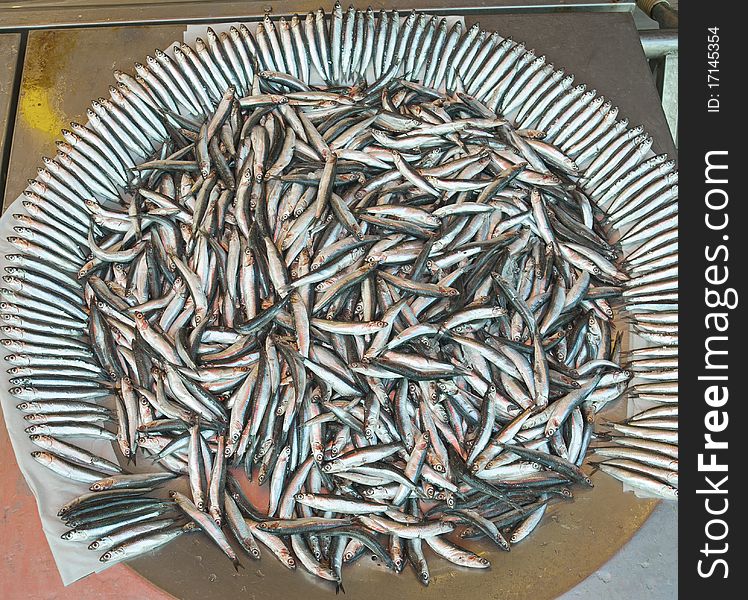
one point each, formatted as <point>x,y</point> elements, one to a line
<point>713,262</point>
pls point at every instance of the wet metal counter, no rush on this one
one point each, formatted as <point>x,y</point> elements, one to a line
<point>58,56</point>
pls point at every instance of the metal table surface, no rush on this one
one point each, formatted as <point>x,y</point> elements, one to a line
<point>64,69</point>
<point>74,13</point>
<point>9,50</point>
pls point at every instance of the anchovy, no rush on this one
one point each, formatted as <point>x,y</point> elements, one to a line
<point>367,293</point>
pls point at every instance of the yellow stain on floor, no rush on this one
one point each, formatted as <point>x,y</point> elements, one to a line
<point>39,101</point>
<point>39,113</point>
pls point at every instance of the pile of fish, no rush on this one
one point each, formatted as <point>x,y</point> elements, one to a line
<point>372,315</point>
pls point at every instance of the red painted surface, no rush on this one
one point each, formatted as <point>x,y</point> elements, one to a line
<point>27,569</point>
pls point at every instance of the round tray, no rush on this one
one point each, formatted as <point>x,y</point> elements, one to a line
<point>574,539</point>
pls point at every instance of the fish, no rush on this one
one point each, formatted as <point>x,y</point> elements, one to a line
<point>399,285</point>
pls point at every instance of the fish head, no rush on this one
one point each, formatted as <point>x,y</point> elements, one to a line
<point>74,535</point>
<point>101,485</point>
<point>112,555</point>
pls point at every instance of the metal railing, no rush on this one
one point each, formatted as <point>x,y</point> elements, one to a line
<point>661,49</point>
